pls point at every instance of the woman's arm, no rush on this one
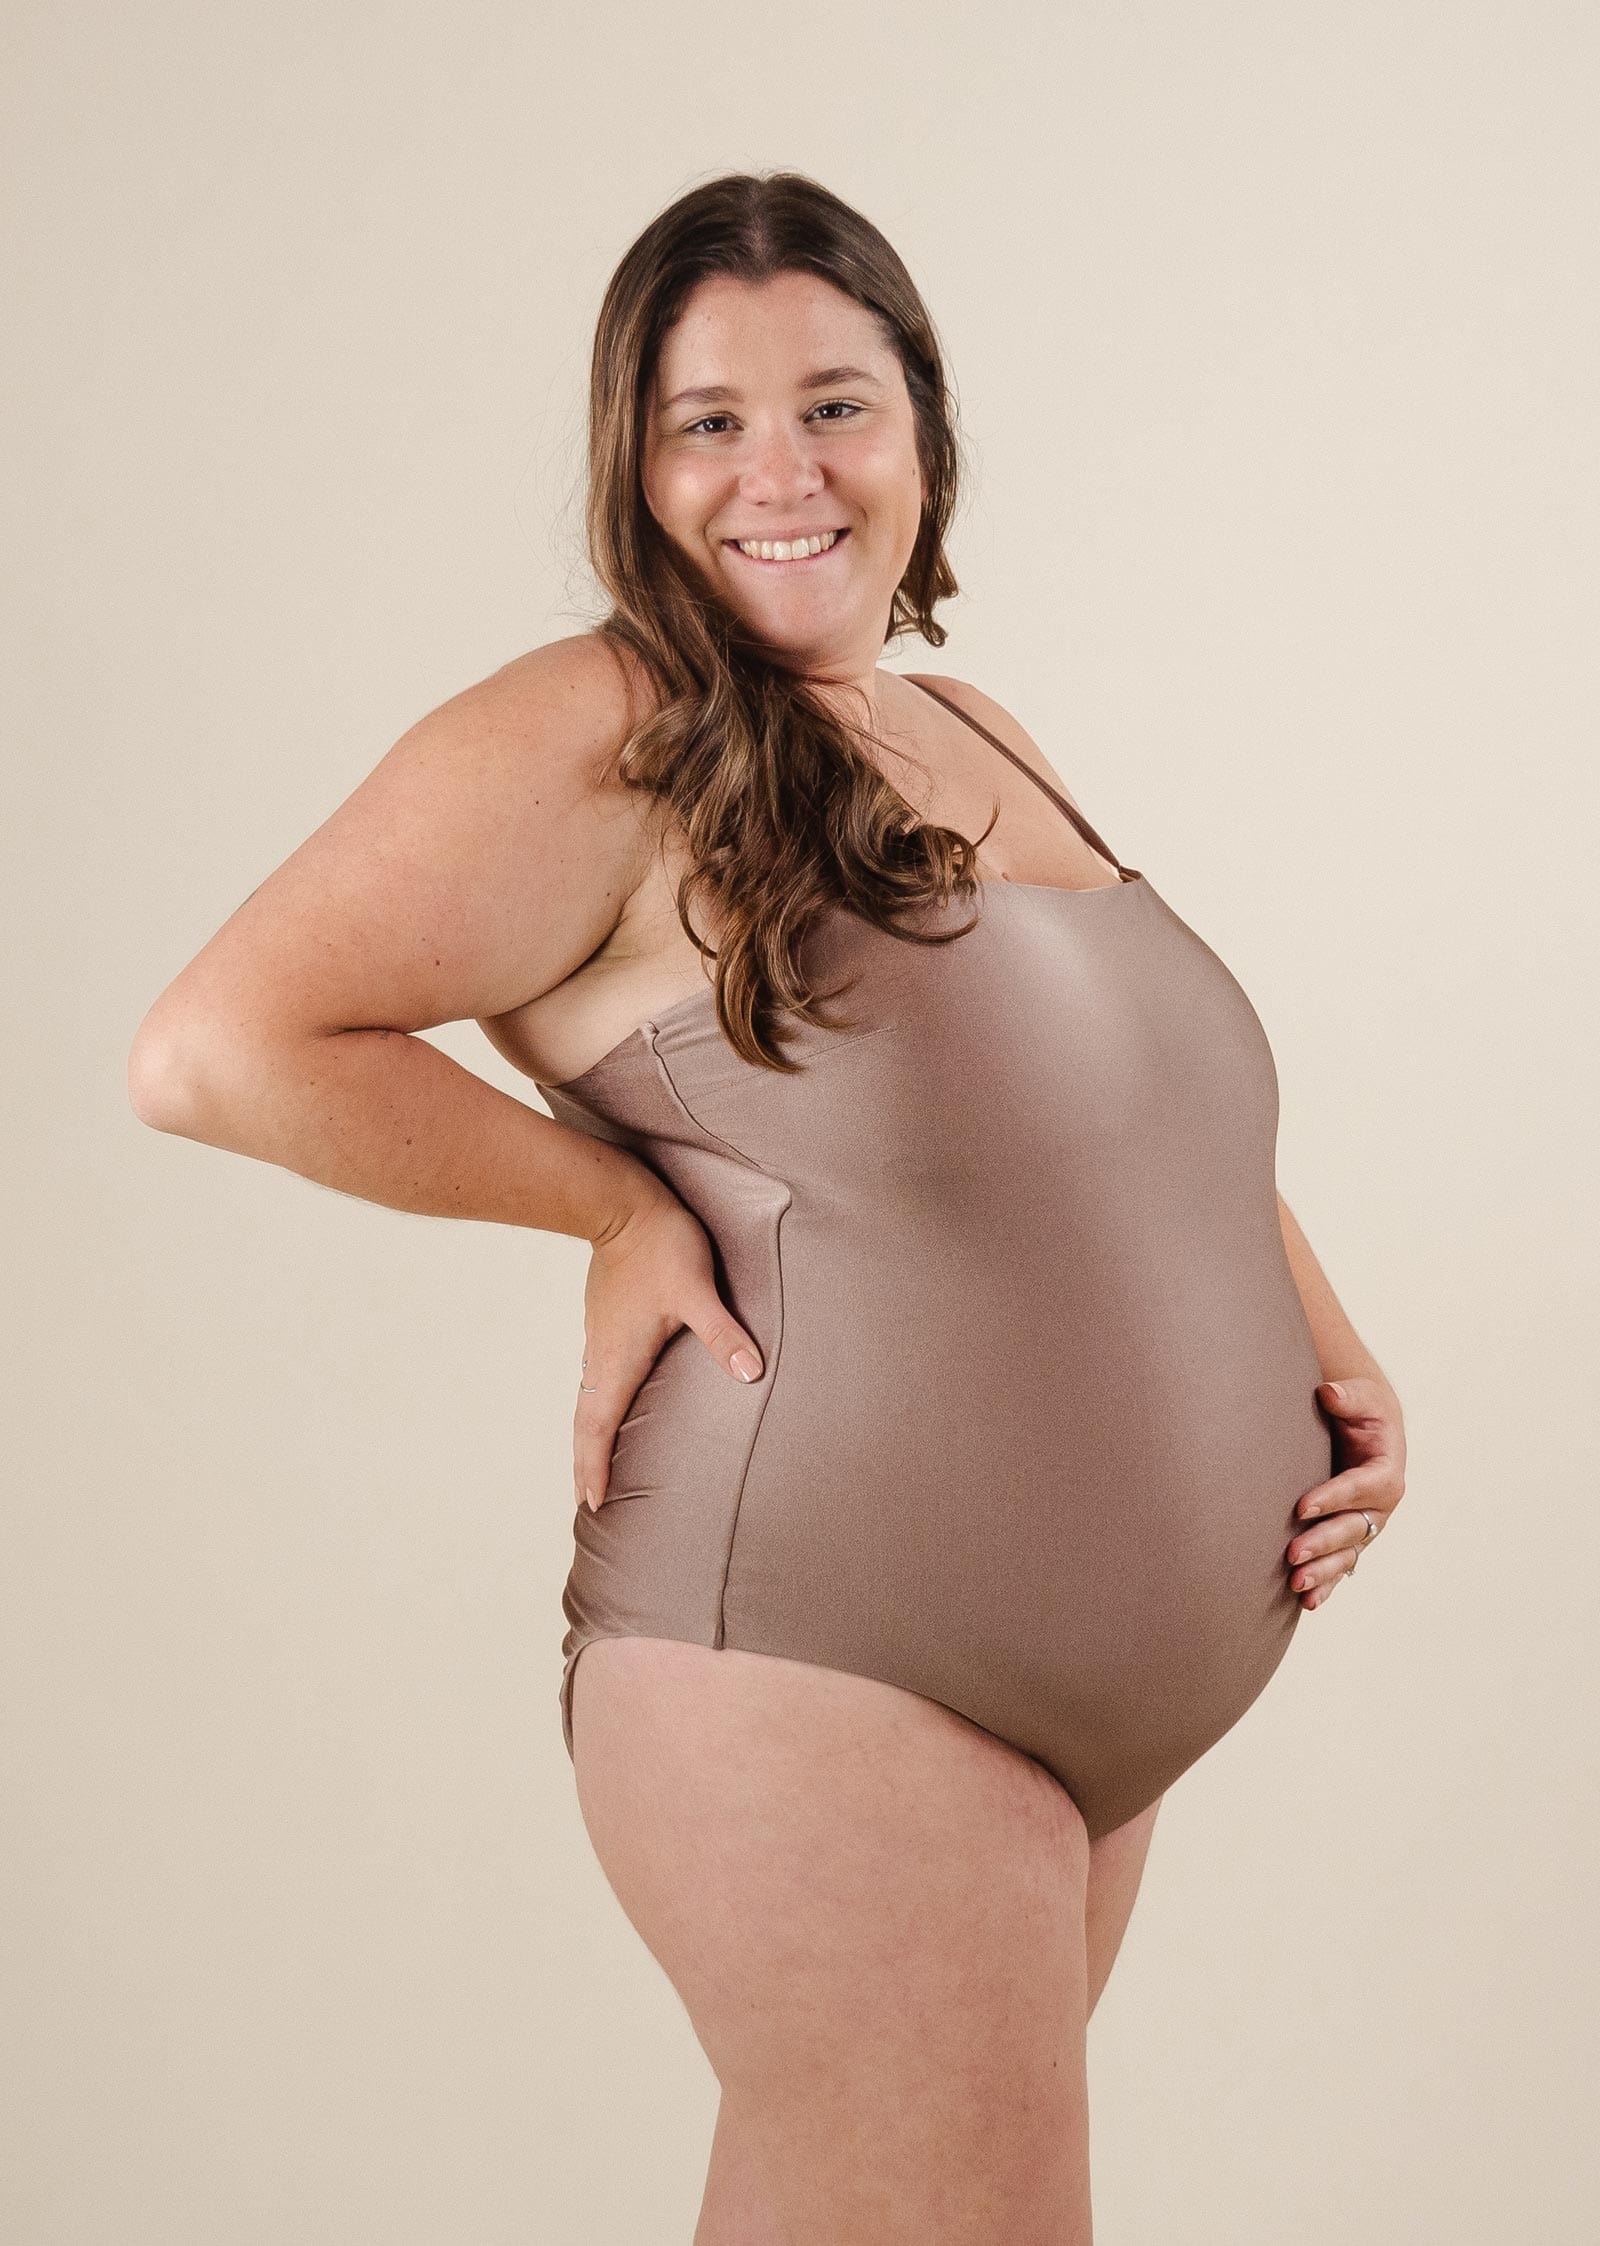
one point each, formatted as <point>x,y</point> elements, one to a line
<point>484,860</point>
<point>1369,1439</point>
<point>481,862</point>
<point>1341,1352</point>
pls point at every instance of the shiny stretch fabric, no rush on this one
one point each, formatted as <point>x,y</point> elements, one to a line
<point>1038,1391</point>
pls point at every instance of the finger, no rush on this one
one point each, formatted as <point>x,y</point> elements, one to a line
<point>1370,1484</point>
<point>1328,1552</point>
<point>1330,1576</point>
<point>1357,1396</point>
<point>595,1421</point>
<point>735,1351</point>
<point>1364,1419</point>
<point>603,1401</point>
<point>1324,1580</point>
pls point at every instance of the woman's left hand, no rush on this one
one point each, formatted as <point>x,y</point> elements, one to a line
<point>1369,1448</point>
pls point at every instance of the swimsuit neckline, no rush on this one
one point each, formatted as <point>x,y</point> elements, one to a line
<point>1129,878</point>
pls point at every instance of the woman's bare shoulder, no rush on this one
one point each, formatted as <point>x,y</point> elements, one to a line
<point>973,702</point>
<point>603,690</point>
<point>483,859</point>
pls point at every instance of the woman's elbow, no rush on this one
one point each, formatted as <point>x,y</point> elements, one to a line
<point>175,1065</point>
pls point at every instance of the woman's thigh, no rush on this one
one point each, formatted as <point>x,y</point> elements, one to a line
<point>1116,1866</point>
<point>873,1912</point>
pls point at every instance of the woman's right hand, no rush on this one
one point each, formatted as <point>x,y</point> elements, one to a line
<point>646,1281</point>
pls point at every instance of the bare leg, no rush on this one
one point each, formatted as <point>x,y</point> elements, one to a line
<point>874,1913</point>
<point>737,2209</point>
<point>1116,1866</point>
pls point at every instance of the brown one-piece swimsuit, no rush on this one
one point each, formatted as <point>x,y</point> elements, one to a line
<point>1037,1399</point>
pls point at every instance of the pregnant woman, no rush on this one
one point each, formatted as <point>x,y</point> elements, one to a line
<point>964,1423</point>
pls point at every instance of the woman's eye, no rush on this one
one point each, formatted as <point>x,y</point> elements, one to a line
<point>706,420</point>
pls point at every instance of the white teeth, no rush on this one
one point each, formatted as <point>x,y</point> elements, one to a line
<point>784,549</point>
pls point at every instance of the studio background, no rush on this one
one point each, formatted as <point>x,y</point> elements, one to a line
<point>1274,334</point>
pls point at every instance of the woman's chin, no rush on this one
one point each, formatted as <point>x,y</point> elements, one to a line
<point>796,634</point>
<point>791,611</point>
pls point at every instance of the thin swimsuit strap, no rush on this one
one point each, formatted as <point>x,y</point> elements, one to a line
<point>1022,765</point>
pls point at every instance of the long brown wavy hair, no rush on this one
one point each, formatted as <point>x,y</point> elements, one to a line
<point>782,811</point>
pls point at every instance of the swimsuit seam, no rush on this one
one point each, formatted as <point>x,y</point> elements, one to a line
<point>775,1355</point>
<point>663,1069</point>
<point>761,1417</point>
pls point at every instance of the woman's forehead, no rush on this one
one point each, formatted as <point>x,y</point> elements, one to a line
<point>787,328</point>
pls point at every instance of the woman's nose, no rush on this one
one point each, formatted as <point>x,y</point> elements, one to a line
<point>778,465</point>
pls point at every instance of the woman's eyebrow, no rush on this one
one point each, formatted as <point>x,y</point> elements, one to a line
<point>723,393</point>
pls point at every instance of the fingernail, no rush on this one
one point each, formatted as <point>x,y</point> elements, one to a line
<point>591,1501</point>
<point>1334,1389</point>
<point>745,1365</point>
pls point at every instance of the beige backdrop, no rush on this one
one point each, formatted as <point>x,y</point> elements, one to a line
<point>1274,329</point>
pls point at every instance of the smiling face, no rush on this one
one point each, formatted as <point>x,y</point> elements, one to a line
<point>780,414</point>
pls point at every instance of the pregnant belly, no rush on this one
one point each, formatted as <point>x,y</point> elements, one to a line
<point>1090,1490</point>
<point>1056,1497</point>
